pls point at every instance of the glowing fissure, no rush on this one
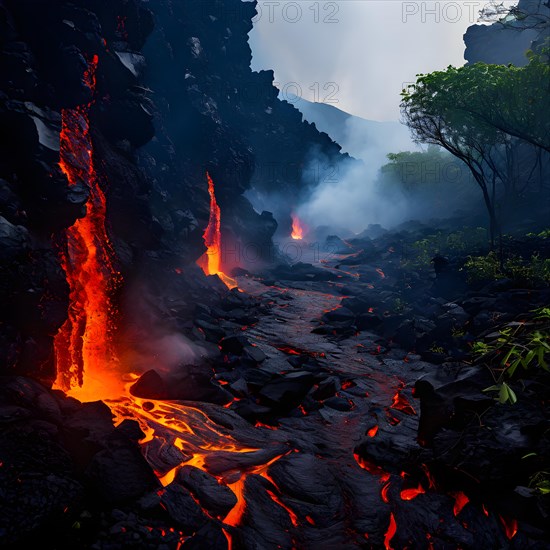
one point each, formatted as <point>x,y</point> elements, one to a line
<point>297,228</point>
<point>83,348</point>
<point>211,260</point>
<point>390,533</point>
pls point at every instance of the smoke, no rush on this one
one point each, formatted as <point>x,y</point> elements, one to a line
<point>150,339</point>
<point>347,196</point>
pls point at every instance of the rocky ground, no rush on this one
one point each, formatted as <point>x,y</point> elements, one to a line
<point>300,430</point>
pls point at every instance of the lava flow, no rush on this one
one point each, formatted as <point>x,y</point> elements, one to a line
<point>83,349</point>
<point>298,229</point>
<point>211,260</point>
<point>173,427</point>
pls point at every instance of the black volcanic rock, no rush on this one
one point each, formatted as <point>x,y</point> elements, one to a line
<point>182,508</point>
<point>215,497</point>
<point>287,392</point>
<point>121,474</point>
<point>150,385</point>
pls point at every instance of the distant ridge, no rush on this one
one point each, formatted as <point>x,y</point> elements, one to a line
<point>363,139</point>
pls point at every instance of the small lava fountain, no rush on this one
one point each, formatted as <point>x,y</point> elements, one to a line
<point>298,228</point>
<point>211,260</point>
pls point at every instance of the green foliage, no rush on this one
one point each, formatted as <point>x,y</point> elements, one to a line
<point>456,242</point>
<point>505,393</point>
<point>493,98</point>
<point>437,349</point>
<point>481,114</point>
<point>431,177</point>
<point>544,234</point>
<point>399,305</point>
<point>481,268</point>
<point>540,481</point>
<point>489,268</point>
<point>517,344</point>
<point>417,169</point>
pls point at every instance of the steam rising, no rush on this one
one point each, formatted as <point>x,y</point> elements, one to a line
<point>149,340</point>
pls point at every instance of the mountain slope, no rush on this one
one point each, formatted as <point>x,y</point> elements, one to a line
<point>364,139</point>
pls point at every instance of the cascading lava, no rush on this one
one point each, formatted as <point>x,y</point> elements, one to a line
<point>298,228</point>
<point>211,260</point>
<point>83,348</point>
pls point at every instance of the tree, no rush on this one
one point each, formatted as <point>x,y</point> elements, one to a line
<point>430,114</point>
<point>479,113</point>
<point>512,99</point>
<point>534,15</point>
<point>433,172</point>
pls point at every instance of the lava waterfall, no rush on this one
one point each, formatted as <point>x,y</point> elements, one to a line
<point>83,347</point>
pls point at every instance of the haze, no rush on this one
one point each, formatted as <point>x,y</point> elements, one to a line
<point>358,54</point>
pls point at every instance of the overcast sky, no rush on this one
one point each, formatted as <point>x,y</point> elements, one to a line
<point>356,54</point>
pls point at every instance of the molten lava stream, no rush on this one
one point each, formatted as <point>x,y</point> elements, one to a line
<point>201,441</point>
<point>211,260</point>
<point>82,346</point>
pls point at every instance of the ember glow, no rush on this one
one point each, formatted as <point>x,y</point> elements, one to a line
<point>298,228</point>
<point>211,260</point>
<point>510,527</point>
<point>83,348</point>
<point>460,501</point>
<point>390,533</point>
<point>410,494</point>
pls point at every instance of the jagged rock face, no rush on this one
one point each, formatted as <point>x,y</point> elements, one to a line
<point>215,114</point>
<point>45,50</point>
<point>174,82</point>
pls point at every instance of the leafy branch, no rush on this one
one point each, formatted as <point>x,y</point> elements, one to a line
<point>517,344</point>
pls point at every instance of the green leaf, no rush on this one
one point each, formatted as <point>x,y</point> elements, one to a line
<point>542,362</point>
<point>512,368</point>
<point>529,357</point>
<point>508,355</point>
<point>503,394</point>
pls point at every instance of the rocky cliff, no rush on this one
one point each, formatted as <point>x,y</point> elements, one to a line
<point>143,99</point>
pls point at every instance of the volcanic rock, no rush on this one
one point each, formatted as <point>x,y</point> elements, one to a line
<point>287,392</point>
<point>338,404</point>
<point>215,497</point>
<point>209,535</point>
<point>182,508</point>
<point>234,344</point>
<point>449,394</point>
<point>327,388</point>
<point>120,474</point>
<point>150,385</point>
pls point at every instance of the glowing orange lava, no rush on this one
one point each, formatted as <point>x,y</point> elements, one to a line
<point>373,431</point>
<point>460,501</point>
<point>298,228</point>
<point>390,533</point>
<point>410,494</point>
<point>401,403</point>
<point>211,260</point>
<point>83,349</point>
